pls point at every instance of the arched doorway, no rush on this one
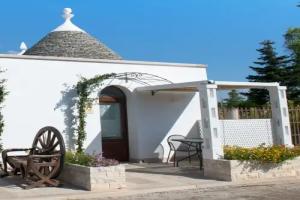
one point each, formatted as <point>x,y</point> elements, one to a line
<point>113,117</point>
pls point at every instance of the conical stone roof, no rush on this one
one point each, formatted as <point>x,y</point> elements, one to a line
<point>68,40</point>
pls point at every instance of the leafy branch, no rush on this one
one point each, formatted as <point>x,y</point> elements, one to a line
<point>3,94</point>
<point>84,88</point>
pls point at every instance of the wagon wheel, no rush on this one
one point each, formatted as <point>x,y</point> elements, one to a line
<point>49,141</point>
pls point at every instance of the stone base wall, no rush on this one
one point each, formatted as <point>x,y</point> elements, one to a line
<point>94,178</point>
<point>233,170</point>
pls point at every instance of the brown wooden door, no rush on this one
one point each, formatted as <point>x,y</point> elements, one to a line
<point>114,124</point>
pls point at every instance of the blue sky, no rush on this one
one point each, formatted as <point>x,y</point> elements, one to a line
<point>221,33</point>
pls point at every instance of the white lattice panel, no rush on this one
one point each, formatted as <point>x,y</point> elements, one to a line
<point>246,132</point>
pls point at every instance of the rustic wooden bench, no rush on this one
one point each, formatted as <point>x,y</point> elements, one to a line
<point>42,163</point>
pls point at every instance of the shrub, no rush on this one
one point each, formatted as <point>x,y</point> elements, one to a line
<point>96,160</point>
<point>3,94</point>
<point>78,158</point>
<point>273,154</point>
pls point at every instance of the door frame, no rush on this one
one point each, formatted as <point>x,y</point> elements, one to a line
<point>108,98</point>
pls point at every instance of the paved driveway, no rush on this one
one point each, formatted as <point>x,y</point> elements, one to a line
<point>160,181</point>
<point>278,190</point>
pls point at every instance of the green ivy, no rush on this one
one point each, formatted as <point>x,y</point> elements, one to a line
<point>3,94</point>
<point>84,88</point>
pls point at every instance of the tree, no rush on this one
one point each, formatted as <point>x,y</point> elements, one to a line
<point>234,99</point>
<point>292,42</point>
<point>269,68</point>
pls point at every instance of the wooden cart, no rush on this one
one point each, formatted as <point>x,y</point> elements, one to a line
<point>42,163</point>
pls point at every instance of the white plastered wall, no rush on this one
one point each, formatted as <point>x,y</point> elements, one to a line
<point>165,114</point>
<point>36,89</point>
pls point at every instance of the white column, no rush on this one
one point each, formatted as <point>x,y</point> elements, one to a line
<point>212,148</point>
<point>280,116</point>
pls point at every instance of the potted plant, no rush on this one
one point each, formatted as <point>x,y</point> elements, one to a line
<point>263,162</point>
<point>93,172</point>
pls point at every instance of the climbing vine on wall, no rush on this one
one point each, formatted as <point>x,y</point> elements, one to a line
<point>84,88</point>
<point>3,93</point>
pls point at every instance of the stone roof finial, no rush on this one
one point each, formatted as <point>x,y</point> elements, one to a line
<point>68,14</point>
<point>68,25</point>
<point>23,48</point>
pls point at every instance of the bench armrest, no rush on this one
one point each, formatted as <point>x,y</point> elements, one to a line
<point>5,151</point>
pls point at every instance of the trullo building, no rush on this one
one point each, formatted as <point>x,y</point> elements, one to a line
<point>132,114</point>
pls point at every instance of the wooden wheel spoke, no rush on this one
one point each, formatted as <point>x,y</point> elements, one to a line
<point>53,147</point>
<point>52,141</point>
<point>48,138</point>
<point>42,143</point>
<point>44,138</point>
<point>39,149</point>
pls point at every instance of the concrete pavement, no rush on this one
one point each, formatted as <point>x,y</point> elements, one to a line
<point>142,180</point>
<point>284,189</point>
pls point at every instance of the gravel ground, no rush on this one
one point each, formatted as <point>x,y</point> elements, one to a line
<point>284,190</point>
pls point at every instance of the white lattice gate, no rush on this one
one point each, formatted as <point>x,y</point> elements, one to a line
<point>246,132</point>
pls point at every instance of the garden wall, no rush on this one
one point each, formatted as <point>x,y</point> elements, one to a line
<point>234,170</point>
<point>94,178</point>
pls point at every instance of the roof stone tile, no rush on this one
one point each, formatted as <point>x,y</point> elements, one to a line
<point>72,44</point>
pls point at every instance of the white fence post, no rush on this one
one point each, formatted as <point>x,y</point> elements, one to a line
<point>280,116</point>
<point>213,148</point>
